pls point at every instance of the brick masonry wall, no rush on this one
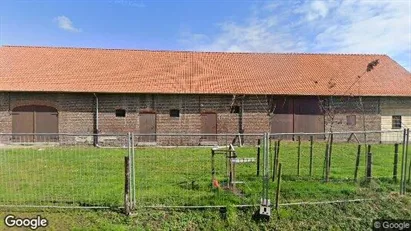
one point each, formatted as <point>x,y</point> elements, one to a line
<point>190,106</point>
<point>108,122</point>
<point>76,114</point>
<point>5,117</point>
<point>75,110</point>
<point>348,107</point>
<point>256,119</point>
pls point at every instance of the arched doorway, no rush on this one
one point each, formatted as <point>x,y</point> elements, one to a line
<point>35,119</point>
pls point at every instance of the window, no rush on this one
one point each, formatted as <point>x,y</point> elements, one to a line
<point>174,113</point>
<point>351,120</point>
<point>396,122</point>
<point>120,113</point>
<point>235,109</point>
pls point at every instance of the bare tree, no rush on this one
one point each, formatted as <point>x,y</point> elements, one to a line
<point>329,107</point>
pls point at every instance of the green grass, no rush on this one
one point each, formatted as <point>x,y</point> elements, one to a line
<point>62,175</point>
<point>87,176</point>
<point>343,216</point>
<point>180,176</point>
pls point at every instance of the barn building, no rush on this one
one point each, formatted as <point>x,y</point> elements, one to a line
<point>108,91</point>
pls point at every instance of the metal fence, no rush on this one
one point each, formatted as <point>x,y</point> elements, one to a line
<point>206,173</point>
<point>200,170</point>
<point>342,166</point>
<point>60,170</point>
<point>305,155</point>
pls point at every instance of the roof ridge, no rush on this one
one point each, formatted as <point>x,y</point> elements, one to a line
<point>193,51</point>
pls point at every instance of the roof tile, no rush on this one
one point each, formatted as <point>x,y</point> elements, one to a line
<point>55,69</point>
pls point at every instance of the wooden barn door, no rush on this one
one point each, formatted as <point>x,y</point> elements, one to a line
<point>35,119</point>
<point>46,121</point>
<point>22,122</point>
<point>209,126</point>
<point>147,121</point>
<point>308,117</point>
<point>282,120</point>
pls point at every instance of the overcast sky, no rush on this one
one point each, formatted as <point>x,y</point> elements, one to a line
<point>381,27</point>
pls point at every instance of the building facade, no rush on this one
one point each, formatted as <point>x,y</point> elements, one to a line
<point>111,91</point>
<point>198,114</point>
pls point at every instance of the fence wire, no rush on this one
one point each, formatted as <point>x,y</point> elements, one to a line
<point>197,170</point>
<point>360,164</point>
<point>180,176</point>
<point>59,170</point>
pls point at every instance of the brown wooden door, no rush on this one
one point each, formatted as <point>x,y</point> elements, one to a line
<point>46,122</point>
<point>22,122</point>
<point>147,123</point>
<point>35,119</point>
<point>308,117</point>
<point>282,120</point>
<point>282,123</point>
<point>209,126</point>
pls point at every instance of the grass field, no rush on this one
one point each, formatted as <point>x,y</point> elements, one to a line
<point>88,176</point>
<point>340,216</point>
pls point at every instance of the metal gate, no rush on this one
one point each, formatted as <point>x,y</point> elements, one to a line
<point>70,174</point>
<point>195,176</point>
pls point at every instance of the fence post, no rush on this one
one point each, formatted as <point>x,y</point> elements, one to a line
<point>258,156</point>
<point>326,162</point>
<point>213,179</point>
<point>265,209</point>
<point>298,155</point>
<point>357,163</point>
<point>277,156</point>
<point>369,163</point>
<point>407,138</point>
<point>403,163</point>
<point>330,150</point>
<point>133,173</point>
<point>277,195</point>
<point>395,170</point>
<point>406,153</point>
<point>274,161</point>
<point>127,185</point>
<point>311,155</point>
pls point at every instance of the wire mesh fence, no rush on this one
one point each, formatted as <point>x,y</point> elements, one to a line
<point>338,166</point>
<point>217,173</point>
<point>305,156</point>
<point>198,170</point>
<point>59,170</point>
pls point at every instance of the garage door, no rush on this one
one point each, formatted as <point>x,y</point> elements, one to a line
<point>35,119</point>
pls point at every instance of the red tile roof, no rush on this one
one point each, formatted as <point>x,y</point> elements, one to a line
<point>57,69</point>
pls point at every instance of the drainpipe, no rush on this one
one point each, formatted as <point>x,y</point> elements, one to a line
<point>96,130</point>
<point>9,99</point>
<point>240,121</point>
